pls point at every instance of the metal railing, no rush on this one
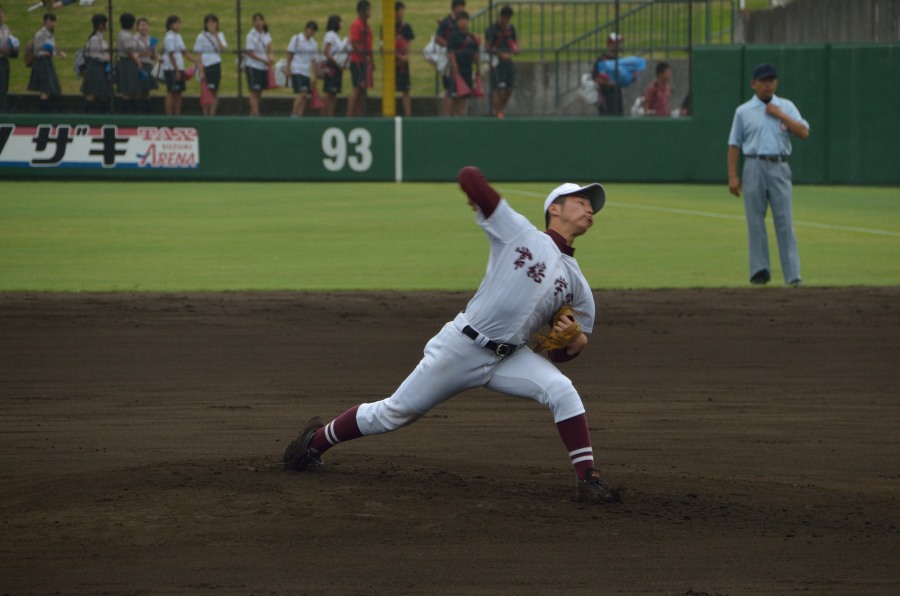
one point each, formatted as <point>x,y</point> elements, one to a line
<point>572,34</point>
<point>565,35</point>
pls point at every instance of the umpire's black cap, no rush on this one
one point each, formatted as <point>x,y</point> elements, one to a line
<point>764,71</point>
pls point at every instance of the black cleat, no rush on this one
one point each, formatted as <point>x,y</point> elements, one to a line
<point>760,278</point>
<point>299,456</point>
<point>595,490</point>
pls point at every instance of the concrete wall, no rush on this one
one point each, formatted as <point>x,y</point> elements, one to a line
<point>823,21</point>
<point>535,91</point>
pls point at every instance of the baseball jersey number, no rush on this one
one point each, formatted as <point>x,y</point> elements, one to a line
<point>334,145</point>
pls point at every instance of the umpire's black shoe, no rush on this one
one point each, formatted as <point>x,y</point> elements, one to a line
<point>595,490</point>
<point>299,456</point>
<point>760,278</point>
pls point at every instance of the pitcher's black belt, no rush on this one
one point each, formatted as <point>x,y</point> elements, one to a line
<point>498,349</point>
<point>771,158</point>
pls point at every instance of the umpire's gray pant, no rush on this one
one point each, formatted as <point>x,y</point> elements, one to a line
<point>766,183</point>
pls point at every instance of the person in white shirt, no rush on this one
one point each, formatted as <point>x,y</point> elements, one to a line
<point>209,46</point>
<point>9,48</point>
<point>145,47</point>
<point>96,85</point>
<point>301,60</point>
<point>335,61</point>
<point>257,60</point>
<point>174,55</point>
<point>530,275</point>
<point>129,68</point>
<point>43,77</point>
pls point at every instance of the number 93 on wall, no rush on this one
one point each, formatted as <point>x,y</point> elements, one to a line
<point>350,150</point>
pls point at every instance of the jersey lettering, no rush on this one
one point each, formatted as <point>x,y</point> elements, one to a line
<point>537,272</point>
<point>560,286</point>
<point>524,255</point>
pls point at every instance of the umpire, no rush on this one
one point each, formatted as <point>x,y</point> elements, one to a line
<point>762,130</point>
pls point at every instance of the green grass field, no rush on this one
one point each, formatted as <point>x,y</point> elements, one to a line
<point>287,18</point>
<point>110,236</point>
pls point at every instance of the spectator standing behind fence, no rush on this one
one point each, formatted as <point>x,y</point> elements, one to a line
<point>146,50</point>
<point>43,77</point>
<point>446,28</point>
<point>360,59</point>
<point>174,55</point>
<point>209,46</point>
<point>762,129</point>
<point>301,66</point>
<point>129,69</point>
<point>335,61</point>
<point>8,49</point>
<point>502,43</point>
<point>658,93</point>
<point>403,36</point>
<point>610,92</point>
<point>462,53</point>
<point>97,84</point>
<point>258,59</point>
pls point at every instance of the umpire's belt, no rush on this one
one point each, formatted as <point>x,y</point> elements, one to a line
<point>771,158</point>
<point>499,349</point>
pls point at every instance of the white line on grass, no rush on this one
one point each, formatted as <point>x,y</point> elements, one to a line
<point>807,224</point>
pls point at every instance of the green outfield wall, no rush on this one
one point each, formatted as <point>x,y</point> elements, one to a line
<point>848,93</point>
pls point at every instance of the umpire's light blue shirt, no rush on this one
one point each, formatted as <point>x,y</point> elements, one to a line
<point>757,133</point>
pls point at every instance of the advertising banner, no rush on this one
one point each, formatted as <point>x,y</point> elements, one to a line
<point>107,146</point>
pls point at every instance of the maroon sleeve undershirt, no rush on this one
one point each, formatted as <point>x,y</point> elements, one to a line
<point>476,186</point>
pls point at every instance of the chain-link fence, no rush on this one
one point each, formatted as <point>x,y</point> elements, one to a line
<point>559,40</point>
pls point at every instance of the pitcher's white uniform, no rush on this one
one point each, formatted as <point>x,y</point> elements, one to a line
<point>528,278</point>
<point>530,275</point>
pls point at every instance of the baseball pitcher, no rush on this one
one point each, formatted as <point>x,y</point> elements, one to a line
<point>532,280</point>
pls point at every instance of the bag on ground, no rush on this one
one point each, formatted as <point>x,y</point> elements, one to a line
<point>478,88</point>
<point>460,87</point>
<point>206,96</point>
<point>315,102</point>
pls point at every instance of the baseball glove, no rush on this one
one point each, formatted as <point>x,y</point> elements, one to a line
<point>556,339</point>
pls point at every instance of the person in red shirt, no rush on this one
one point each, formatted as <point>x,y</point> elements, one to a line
<point>360,58</point>
<point>656,97</point>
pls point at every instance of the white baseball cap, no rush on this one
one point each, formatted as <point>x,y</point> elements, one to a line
<point>594,192</point>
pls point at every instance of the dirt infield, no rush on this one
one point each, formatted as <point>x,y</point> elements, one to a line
<point>754,434</point>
